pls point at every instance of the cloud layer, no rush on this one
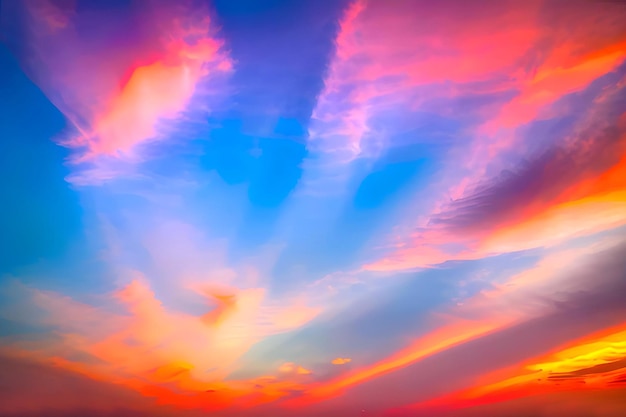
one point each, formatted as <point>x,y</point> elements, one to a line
<point>289,208</point>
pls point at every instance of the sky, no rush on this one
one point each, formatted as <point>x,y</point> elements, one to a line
<point>282,208</point>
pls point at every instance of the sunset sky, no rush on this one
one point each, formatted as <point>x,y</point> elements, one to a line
<point>284,208</point>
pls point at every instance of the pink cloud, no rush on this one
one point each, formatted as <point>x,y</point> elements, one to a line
<point>384,53</point>
<point>120,97</point>
<point>402,59</point>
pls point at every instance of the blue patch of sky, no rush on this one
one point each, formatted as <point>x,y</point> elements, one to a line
<point>281,50</point>
<point>40,215</point>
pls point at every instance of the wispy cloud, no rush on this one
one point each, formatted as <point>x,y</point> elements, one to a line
<point>150,343</point>
<point>534,293</point>
<point>125,94</point>
<point>404,207</point>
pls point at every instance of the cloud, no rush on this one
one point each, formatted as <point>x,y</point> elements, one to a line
<point>487,144</point>
<point>589,364</point>
<point>514,154</point>
<point>550,195</point>
<point>152,345</point>
<point>546,289</point>
<point>292,368</point>
<point>125,95</point>
<point>544,179</point>
<point>416,53</point>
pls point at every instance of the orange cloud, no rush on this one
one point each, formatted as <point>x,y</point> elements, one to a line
<point>439,340</point>
<point>341,361</point>
<point>292,368</point>
<point>597,361</point>
<point>561,222</point>
<point>594,203</point>
<point>176,357</point>
<point>552,81</point>
<point>522,297</point>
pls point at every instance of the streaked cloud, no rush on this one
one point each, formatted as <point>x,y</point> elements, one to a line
<point>126,94</point>
<point>289,208</point>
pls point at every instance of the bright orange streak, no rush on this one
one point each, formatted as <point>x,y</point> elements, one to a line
<point>493,310</point>
<point>611,180</point>
<point>555,80</point>
<point>445,338</point>
<point>594,204</point>
<point>591,205</point>
<point>562,370</point>
<point>586,216</point>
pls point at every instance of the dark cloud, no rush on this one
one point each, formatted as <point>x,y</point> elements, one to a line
<point>598,369</point>
<point>588,152</point>
<point>619,380</point>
